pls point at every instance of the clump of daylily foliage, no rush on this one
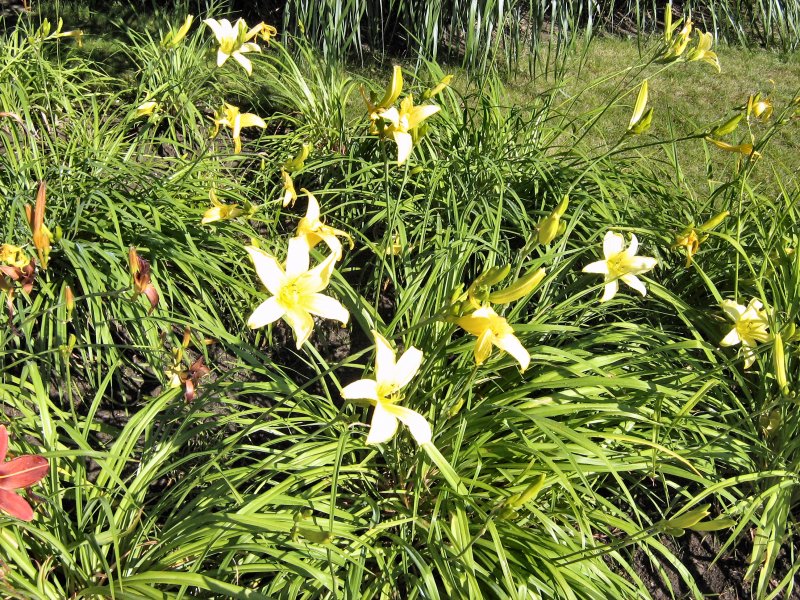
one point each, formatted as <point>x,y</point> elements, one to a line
<point>490,338</point>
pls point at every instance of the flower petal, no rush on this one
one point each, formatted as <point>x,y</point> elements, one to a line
<point>384,359</point>
<point>417,424</point>
<point>405,368</point>
<point>221,57</point>
<point>302,325</point>
<point>15,505</point>
<point>640,264</point>
<point>244,61</point>
<point>419,113</point>
<point>216,27</point>
<point>23,471</point>
<point>326,307</point>
<point>635,283</point>
<point>610,290</point>
<point>363,389</point>
<point>267,269</point>
<point>483,346</point>
<point>251,120</point>
<point>511,344</point>
<point>613,243</point>
<point>297,258</point>
<point>634,246</point>
<point>404,146</point>
<point>3,442</point>
<point>600,267</point>
<point>731,338</point>
<point>267,312</point>
<point>733,309</point>
<point>383,426</point>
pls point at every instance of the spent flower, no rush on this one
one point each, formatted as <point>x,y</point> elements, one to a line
<point>314,231</point>
<point>16,474</point>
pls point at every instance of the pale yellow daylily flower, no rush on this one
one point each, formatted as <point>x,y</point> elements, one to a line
<point>493,330</point>
<point>677,45</point>
<point>401,123</point>
<point>146,108</point>
<point>231,117</point>
<point>234,41</point>
<point>289,193</point>
<point>691,237</point>
<point>13,256</point>
<point>621,263</point>
<point>314,231</point>
<point>219,211</point>
<point>703,51</point>
<point>295,291</point>
<point>173,38</point>
<point>751,324</point>
<point>760,108</point>
<point>383,393</point>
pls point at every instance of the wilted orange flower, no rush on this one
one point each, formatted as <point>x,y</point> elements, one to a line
<point>17,474</point>
<point>142,284</point>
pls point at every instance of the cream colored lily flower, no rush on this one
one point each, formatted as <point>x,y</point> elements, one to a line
<point>234,41</point>
<point>295,291</point>
<point>621,263</point>
<point>231,117</point>
<point>219,211</point>
<point>146,108</point>
<point>703,51</point>
<point>313,231</point>
<point>751,326</point>
<point>403,122</point>
<point>493,330</point>
<point>289,193</point>
<point>383,393</point>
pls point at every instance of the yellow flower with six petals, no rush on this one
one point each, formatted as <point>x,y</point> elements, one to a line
<point>621,263</point>
<point>403,122</point>
<point>230,116</point>
<point>314,231</point>
<point>234,41</point>
<point>751,324</point>
<point>295,291</point>
<point>493,330</point>
<point>383,393</point>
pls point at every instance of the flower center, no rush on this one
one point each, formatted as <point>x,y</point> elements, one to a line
<point>617,264</point>
<point>289,295</point>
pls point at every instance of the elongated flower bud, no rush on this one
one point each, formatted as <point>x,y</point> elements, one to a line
<point>520,288</point>
<point>779,359</point>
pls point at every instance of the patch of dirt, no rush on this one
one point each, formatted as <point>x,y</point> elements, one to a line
<point>722,579</point>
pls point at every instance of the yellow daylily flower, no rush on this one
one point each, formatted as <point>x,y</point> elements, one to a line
<point>401,123</point>
<point>264,31</point>
<point>703,51</point>
<point>173,38</point>
<point>219,211</point>
<point>620,263</point>
<point>231,117</point>
<point>438,88</point>
<point>383,393</point>
<point>750,327</point>
<point>760,108</point>
<point>146,108</point>
<point>313,231</point>
<point>13,256</point>
<point>493,330</point>
<point>295,291</point>
<point>289,193</point>
<point>234,41</point>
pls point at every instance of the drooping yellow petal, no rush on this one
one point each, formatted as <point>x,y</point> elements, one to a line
<point>417,425</point>
<point>267,268</point>
<point>383,425</point>
<point>363,389</point>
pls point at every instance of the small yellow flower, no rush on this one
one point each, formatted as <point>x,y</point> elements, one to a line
<point>383,393</point>
<point>295,291</point>
<point>677,45</point>
<point>751,326</point>
<point>691,237</point>
<point>289,193</point>
<point>403,122</point>
<point>760,108</point>
<point>234,41</point>
<point>621,263</point>
<point>231,117</point>
<point>219,211</point>
<point>313,231</point>
<point>703,51</point>
<point>493,330</point>
<point>146,108</point>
